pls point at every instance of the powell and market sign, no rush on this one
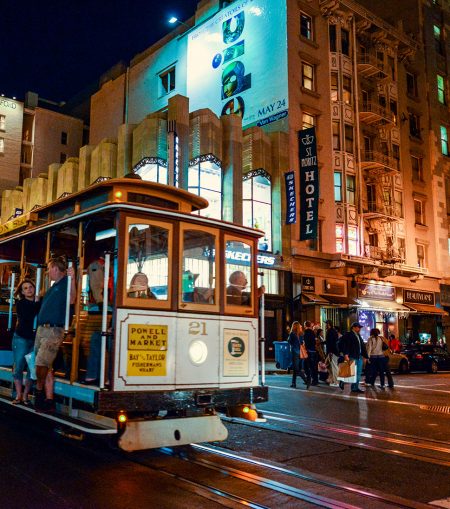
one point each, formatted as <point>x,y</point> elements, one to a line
<point>309,184</point>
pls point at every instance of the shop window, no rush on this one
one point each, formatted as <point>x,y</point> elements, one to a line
<point>411,84</point>
<point>308,121</point>
<point>205,180</point>
<point>349,146</point>
<point>347,90</point>
<point>352,236</point>
<point>307,76</point>
<point>336,136</point>
<point>441,89</point>
<point>63,138</point>
<point>345,42</point>
<point>257,206</point>
<point>337,186</point>
<point>2,122</point>
<point>306,26</point>
<point>444,140</point>
<point>270,280</point>
<point>332,37</point>
<point>152,169</point>
<point>351,189</point>
<point>238,278</point>
<point>147,275</point>
<point>198,277</point>
<point>419,216</point>
<point>398,203</point>
<point>421,251</point>
<point>340,238</point>
<point>417,168</point>
<point>334,87</point>
<point>167,81</point>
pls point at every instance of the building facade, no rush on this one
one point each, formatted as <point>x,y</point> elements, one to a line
<point>216,107</point>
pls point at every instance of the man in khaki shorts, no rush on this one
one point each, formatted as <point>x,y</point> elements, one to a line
<point>50,329</point>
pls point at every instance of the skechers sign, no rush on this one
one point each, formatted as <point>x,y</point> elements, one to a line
<point>309,184</point>
<point>237,62</point>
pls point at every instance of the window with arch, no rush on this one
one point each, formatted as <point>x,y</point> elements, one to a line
<point>152,169</point>
<point>257,205</point>
<point>205,180</point>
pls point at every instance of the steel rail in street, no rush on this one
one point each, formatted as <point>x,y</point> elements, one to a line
<point>318,431</point>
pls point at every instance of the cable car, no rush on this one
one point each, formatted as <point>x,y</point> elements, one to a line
<point>158,312</point>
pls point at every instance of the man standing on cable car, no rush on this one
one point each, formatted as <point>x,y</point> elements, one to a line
<point>50,329</point>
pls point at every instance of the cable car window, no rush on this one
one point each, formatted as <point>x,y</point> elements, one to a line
<point>198,279</point>
<point>238,277</point>
<point>148,262</point>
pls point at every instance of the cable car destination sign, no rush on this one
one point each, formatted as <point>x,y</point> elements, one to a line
<point>309,184</point>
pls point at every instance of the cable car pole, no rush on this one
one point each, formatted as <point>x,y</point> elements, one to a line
<point>262,339</point>
<point>104,320</point>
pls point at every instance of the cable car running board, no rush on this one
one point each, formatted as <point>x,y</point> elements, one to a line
<point>72,422</point>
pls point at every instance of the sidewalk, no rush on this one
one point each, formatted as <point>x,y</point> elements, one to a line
<point>271,368</point>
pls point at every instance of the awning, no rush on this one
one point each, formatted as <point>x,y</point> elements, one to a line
<point>341,301</point>
<point>312,298</point>
<point>383,305</point>
<point>427,310</point>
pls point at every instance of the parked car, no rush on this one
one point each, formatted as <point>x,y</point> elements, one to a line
<point>398,362</point>
<point>427,358</point>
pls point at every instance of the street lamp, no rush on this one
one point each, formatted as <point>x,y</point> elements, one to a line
<point>174,20</point>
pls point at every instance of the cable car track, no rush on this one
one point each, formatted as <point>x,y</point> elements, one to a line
<point>293,484</point>
<point>355,436</point>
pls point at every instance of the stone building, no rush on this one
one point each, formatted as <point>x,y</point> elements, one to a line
<point>216,107</point>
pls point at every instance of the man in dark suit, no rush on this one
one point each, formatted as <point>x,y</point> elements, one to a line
<point>309,338</point>
<point>353,348</point>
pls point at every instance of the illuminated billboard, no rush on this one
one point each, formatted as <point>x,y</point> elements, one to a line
<point>237,62</point>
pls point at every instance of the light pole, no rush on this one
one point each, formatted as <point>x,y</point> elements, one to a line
<point>174,20</point>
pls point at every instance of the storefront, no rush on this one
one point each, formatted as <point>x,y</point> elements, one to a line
<point>378,308</point>
<point>425,323</point>
<point>445,303</point>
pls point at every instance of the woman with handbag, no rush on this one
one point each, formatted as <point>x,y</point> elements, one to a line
<point>375,350</point>
<point>298,352</point>
<point>23,340</point>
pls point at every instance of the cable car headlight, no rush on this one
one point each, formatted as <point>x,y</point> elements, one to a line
<point>198,352</point>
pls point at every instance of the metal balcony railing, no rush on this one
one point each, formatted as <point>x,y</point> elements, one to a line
<point>373,158</point>
<point>373,113</point>
<point>371,66</point>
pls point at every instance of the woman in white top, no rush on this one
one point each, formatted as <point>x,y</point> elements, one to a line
<point>376,357</point>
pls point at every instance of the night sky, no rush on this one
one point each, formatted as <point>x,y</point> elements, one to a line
<point>57,48</point>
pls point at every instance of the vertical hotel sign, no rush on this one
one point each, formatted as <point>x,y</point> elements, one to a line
<point>309,184</point>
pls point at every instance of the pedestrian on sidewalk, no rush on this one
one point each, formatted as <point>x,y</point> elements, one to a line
<point>311,367</point>
<point>295,339</point>
<point>331,340</point>
<point>375,351</point>
<point>353,348</point>
<point>386,367</point>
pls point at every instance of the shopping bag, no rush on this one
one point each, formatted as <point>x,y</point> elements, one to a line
<point>345,369</point>
<point>347,372</point>
<point>31,358</point>
<point>303,351</point>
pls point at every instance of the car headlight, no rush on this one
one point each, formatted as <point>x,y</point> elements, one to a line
<point>198,352</point>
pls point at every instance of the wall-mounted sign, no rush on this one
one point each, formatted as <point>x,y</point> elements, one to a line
<point>308,284</point>
<point>445,295</point>
<point>418,297</point>
<point>291,198</point>
<point>334,287</point>
<point>237,62</point>
<point>376,292</point>
<point>309,184</point>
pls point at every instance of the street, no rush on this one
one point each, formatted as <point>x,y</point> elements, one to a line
<point>394,443</point>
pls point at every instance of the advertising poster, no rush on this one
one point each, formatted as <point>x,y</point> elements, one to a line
<point>147,350</point>
<point>237,62</point>
<point>235,343</point>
